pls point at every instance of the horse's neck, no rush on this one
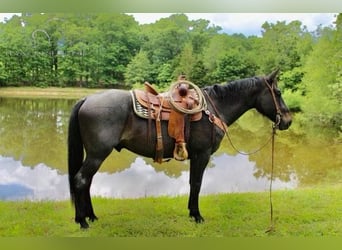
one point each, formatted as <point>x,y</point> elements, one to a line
<point>233,111</point>
<point>234,104</point>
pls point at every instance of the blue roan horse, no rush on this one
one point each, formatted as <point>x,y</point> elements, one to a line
<point>106,120</point>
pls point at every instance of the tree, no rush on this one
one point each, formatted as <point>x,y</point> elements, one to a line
<point>168,38</point>
<point>218,46</point>
<point>165,39</point>
<point>120,38</point>
<point>198,74</point>
<point>3,74</point>
<point>226,56</point>
<point>186,61</point>
<point>233,66</point>
<point>139,69</point>
<point>15,52</point>
<point>200,32</point>
<point>165,73</point>
<point>322,102</point>
<point>283,45</point>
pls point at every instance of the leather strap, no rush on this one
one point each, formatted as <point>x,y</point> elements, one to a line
<point>216,120</point>
<point>219,123</point>
<point>159,144</point>
<point>213,118</point>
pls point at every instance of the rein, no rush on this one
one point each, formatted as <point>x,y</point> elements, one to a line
<point>225,129</point>
<point>271,138</point>
<point>274,130</point>
<point>271,227</point>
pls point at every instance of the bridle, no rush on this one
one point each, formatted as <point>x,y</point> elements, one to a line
<point>278,111</point>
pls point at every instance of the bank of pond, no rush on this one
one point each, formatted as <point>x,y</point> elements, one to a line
<point>301,212</point>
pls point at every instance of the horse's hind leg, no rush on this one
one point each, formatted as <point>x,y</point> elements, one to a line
<point>83,179</point>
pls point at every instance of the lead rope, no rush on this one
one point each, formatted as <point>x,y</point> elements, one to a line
<point>274,129</point>
<point>272,227</point>
<point>272,137</point>
<point>247,153</point>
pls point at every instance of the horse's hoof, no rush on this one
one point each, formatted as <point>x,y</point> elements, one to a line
<point>197,217</point>
<point>84,225</point>
<point>93,218</point>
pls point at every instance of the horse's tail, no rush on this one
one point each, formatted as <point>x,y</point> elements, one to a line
<point>75,148</point>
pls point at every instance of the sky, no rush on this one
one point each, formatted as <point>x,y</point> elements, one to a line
<point>245,23</point>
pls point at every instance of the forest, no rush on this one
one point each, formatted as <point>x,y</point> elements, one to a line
<point>112,50</point>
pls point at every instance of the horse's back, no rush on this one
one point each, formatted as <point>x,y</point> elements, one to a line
<point>107,99</point>
<point>112,103</point>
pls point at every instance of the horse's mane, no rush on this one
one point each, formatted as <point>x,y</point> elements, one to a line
<point>231,89</point>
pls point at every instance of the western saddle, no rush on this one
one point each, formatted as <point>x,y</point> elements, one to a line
<point>173,106</point>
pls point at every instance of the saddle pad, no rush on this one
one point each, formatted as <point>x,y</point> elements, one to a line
<point>139,110</point>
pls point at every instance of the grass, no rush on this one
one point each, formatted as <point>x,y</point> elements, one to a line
<point>303,212</point>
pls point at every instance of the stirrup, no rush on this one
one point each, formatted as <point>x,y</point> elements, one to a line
<point>180,153</point>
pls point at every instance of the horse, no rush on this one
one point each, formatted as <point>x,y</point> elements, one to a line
<point>105,121</point>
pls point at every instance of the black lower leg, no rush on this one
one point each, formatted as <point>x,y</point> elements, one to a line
<point>83,204</point>
<point>89,209</point>
<point>193,203</point>
<point>80,216</point>
<point>198,163</point>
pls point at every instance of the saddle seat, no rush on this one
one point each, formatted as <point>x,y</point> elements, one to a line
<point>172,106</point>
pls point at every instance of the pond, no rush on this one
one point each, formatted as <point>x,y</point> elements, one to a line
<point>33,158</point>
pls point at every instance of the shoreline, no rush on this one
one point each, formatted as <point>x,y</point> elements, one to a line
<point>49,92</point>
<point>303,212</point>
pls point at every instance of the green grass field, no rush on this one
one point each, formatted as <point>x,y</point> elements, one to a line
<point>302,212</point>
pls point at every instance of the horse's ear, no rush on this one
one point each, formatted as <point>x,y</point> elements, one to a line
<point>271,77</point>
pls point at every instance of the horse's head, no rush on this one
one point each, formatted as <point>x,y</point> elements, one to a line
<point>271,104</point>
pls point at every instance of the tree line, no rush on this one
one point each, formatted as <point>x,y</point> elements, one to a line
<point>113,50</point>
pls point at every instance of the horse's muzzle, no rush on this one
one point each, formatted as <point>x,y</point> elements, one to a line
<point>285,121</point>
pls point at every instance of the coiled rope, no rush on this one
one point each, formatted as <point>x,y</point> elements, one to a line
<point>202,103</point>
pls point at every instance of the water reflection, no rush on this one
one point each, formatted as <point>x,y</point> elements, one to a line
<point>18,182</point>
<point>238,174</point>
<point>34,130</point>
<point>33,136</point>
<point>229,174</point>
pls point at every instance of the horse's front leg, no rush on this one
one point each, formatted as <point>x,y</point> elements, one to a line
<point>198,163</point>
